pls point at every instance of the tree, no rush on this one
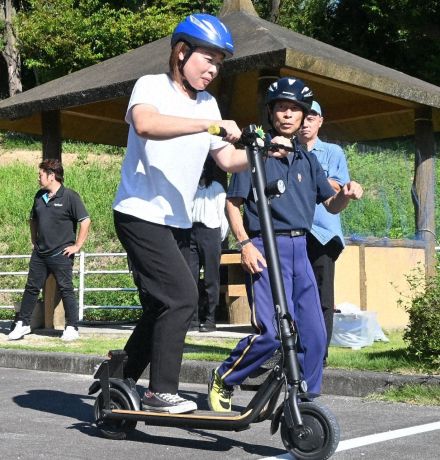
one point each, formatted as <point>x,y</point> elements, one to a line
<point>57,37</point>
<point>401,34</point>
<point>8,47</point>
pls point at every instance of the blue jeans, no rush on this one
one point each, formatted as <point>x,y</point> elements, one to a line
<point>39,269</point>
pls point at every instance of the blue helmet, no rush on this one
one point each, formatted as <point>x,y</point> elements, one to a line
<point>206,31</point>
<point>290,89</point>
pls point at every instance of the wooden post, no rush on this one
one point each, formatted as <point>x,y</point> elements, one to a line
<point>231,6</point>
<point>235,295</point>
<point>424,184</point>
<point>51,134</point>
<point>51,140</point>
<point>54,317</point>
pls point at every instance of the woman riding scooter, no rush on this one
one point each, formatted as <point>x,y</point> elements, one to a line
<point>168,142</point>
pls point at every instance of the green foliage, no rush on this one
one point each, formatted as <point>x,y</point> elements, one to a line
<point>417,394</point>
<point>2,39</point>
<point>12,141</point>
<point>122,314</point>
<point>381,356</point>
<point>401,34</point>
<point>7,314</point>
<point>57,37</point>
<point>423,332</point>
<point>386,209</point>
<point>19,182</point>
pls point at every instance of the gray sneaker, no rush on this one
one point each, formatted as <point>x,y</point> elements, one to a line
<point>167,402</point>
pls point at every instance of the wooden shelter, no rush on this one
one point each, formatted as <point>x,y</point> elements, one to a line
<point>362,100</point>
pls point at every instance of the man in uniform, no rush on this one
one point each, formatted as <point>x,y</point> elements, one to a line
<point>288,102</point>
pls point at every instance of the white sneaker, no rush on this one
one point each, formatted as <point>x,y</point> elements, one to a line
<point>69,334</point>
<point>19,331</point>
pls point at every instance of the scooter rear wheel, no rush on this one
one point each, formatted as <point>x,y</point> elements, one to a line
<point>319,437</point>
<point>113,429</point>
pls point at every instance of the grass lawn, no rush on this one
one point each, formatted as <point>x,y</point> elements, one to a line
<point>381,357</point>
<point>421,395</point>
<point>205,349</point>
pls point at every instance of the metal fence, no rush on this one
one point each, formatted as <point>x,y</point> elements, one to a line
<point>81,272</point>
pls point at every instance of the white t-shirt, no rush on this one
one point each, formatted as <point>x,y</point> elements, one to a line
<point>209,207</point>
<point>159,178</point>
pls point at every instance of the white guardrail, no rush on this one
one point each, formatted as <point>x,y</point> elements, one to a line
<point>82,273</point>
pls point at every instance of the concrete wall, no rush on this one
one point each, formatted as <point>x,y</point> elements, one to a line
<point>371,274</point>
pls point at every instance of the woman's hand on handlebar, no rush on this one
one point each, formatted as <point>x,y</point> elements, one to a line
<point>231,133</point>
<point>279,152</point>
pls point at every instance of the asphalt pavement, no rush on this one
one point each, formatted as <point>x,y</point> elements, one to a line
<point>335,382</point>
<point>47,415</point>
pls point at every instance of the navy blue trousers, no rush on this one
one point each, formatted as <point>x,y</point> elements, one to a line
<point>304,306</point>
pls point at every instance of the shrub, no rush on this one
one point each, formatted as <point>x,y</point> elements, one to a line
<point>422,334</point>
<point>103,315</point>
<point>7,313</point>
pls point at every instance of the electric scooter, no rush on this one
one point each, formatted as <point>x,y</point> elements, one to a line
<point>308,430</point>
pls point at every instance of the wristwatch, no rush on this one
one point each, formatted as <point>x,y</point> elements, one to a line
<point>242,244</point>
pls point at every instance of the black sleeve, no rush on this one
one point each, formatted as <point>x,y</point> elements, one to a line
<point>77,208</point>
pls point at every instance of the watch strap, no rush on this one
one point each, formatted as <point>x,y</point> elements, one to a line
<point>242,244</point>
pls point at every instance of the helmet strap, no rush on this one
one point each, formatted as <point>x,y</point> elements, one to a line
<point>182,64</point>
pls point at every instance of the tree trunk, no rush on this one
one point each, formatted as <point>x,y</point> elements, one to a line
<point>9,52</point>
<point>275,11</point>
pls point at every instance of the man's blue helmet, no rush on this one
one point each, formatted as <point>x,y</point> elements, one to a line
<point>206,31</point>
<point>290,89</point>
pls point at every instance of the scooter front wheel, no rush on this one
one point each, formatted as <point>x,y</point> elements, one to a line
<point>317,439</point>
<point>113,429</point>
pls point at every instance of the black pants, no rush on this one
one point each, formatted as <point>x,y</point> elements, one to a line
<point>39,269</point>
<point>205,251</point>
<point>323,258</point>
<point>168,295</point>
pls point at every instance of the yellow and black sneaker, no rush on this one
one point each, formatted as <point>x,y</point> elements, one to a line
<point>219,394</point>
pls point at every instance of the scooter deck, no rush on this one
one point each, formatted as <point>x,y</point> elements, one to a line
<point>196,415</point>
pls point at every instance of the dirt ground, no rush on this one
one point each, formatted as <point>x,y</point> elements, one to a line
<point>34,157</point>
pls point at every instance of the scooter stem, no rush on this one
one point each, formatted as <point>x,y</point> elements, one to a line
<point>258,175</point>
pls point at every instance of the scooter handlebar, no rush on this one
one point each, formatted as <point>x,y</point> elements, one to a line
<point>249,137</point>
<point>217,131</point>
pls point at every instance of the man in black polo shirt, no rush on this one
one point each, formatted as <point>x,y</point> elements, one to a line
<point>54,218</point>
<point>288,101</point>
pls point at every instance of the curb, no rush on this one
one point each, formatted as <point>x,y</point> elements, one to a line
<point>336,381</point>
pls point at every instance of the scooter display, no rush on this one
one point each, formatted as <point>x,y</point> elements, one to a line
<point>308,430</point>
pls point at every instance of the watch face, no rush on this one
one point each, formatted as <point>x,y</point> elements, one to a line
<point>281,186</point>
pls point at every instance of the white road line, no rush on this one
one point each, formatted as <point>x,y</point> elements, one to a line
<point>373,438</point>
<point>388,435</point>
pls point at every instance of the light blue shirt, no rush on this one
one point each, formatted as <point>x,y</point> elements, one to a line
<point>332,158</point>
